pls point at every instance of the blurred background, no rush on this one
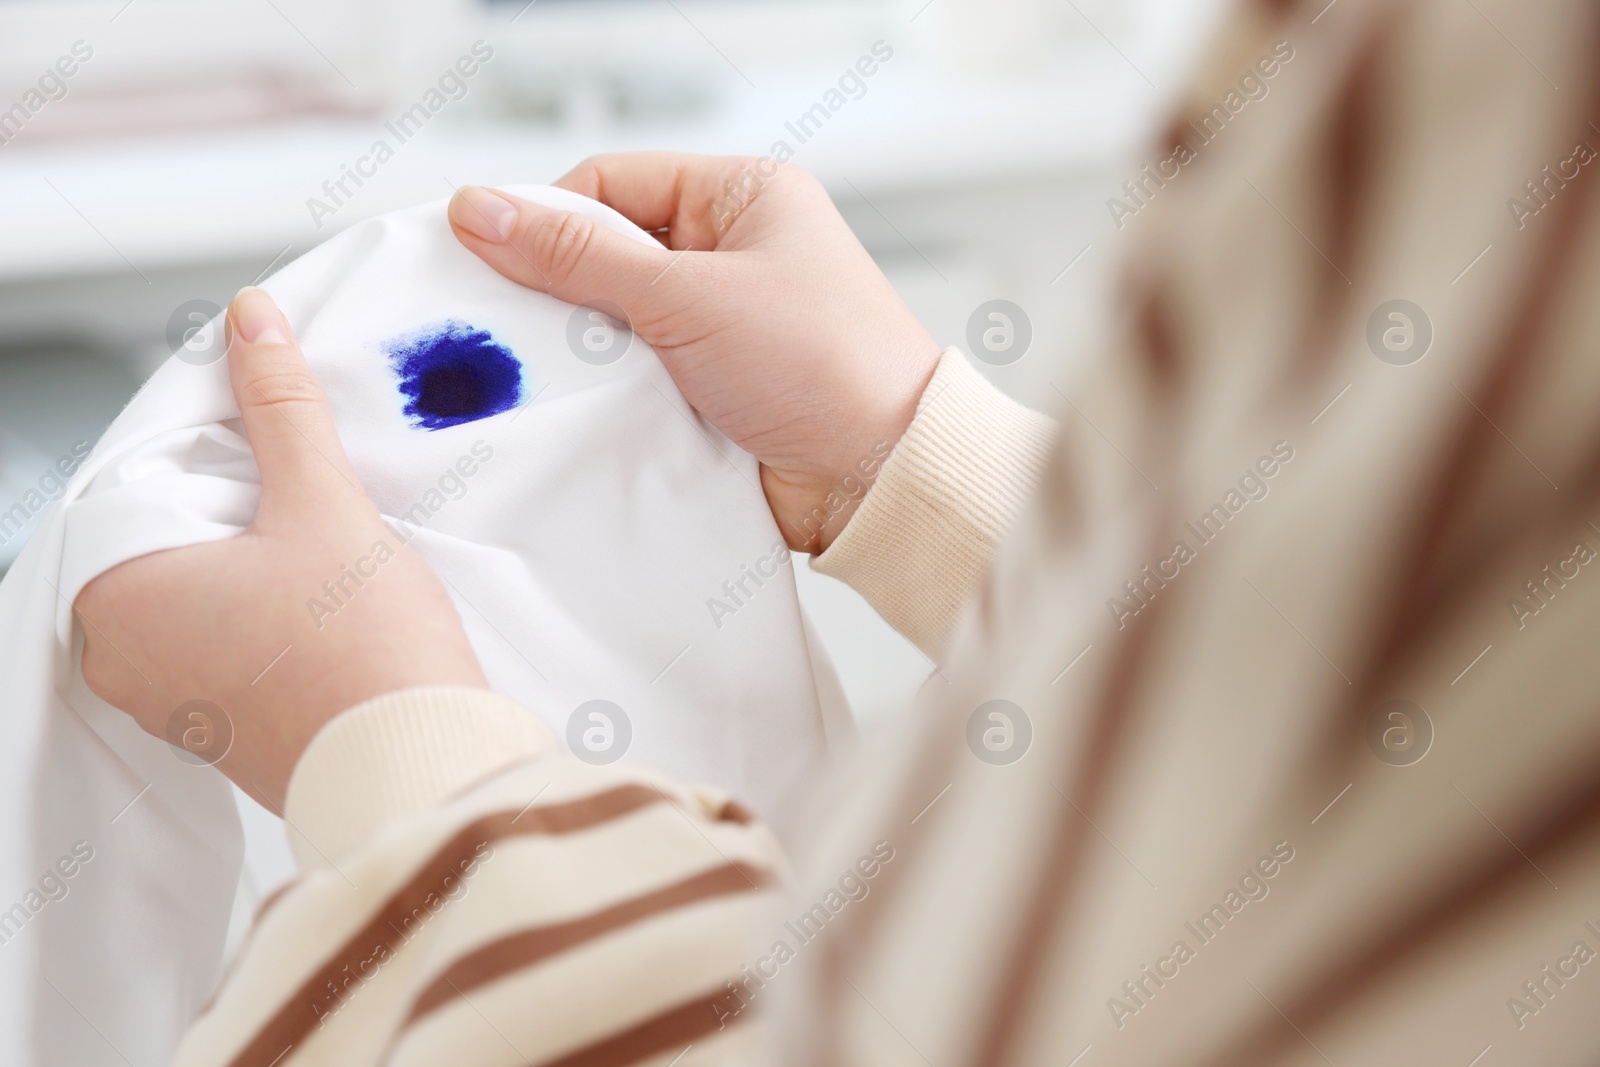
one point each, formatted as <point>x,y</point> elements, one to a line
<point>158,152</point>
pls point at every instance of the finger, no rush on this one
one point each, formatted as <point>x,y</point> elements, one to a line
<point>565,254</point>
<point>683,193</point>
<point>285,411</point>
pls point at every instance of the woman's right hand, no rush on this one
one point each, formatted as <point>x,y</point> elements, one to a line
<point>766,310</point>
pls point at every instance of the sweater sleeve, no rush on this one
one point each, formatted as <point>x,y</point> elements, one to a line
<point>469,897</point>
<point>954,483</point>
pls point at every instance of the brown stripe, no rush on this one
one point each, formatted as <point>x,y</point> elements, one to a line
<point>1034,938</point>
<point>527,947</point>
<point>271,900</point>
<point>1159,336</point>
<point>298,1015</point>
<point>1480,893</point>
<point>1468,575</point>
<point>1347,152</point>
<point>733,811</point>
<point>671,1030</point>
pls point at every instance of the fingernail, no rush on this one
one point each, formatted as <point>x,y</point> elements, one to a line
<point>258,319</point>
<point>483,213</point>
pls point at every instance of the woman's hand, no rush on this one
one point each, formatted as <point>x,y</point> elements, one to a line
<point>228,622</point>
<point>768,313</point>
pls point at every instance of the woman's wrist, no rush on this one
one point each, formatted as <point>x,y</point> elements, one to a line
<point>873,413</point>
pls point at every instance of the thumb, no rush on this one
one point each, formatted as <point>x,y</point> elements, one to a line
<point>563,253</point>
<point>285,411</point>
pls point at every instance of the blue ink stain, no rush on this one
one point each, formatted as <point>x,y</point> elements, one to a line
<point>453,373</point>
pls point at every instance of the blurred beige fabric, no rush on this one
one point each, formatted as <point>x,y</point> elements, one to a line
<point>1237,710</point>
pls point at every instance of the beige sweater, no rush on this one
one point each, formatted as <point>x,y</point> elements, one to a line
<point>1296,760</point>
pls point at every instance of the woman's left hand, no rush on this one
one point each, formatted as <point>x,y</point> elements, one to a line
<point>229,622</point>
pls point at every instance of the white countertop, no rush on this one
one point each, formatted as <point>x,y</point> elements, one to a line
<point>159,202</point>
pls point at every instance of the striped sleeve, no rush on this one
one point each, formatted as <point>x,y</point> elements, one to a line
<point>469,897</point>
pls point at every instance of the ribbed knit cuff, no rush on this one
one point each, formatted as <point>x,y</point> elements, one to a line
<point>954,483</point>
<point>396,755</point>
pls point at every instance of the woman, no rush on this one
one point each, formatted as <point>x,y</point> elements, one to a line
<point>1171,798</point>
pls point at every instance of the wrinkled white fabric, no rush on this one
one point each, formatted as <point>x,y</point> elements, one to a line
<point>584,551</point>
